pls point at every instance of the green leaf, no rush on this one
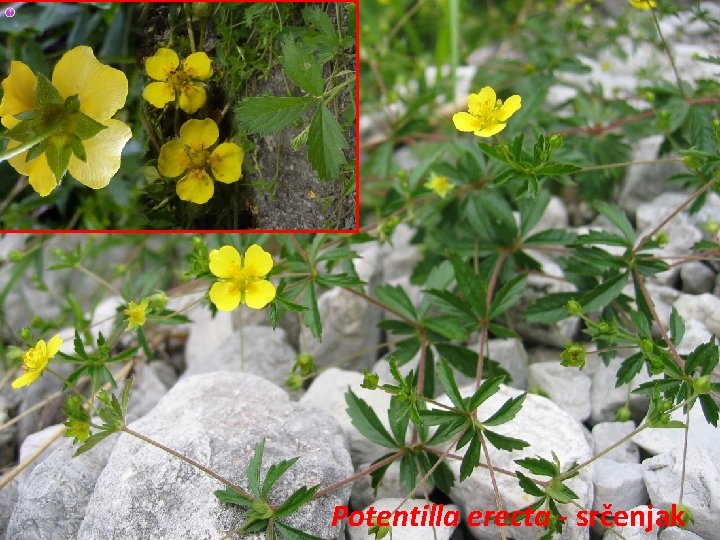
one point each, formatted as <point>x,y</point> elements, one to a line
<point>253,471</point>
<point>290,533</point>
<point>399,420</point>
<point>488,388</point>
<point>507,296</point>
<point>709,409</point>
<point>231,496</point>
<point>557,169</point>
<point>447,380</point>
<point>396,298</point>
<point>299,498</point>
<point>302,68</point>
<point>470,285</point>
<point>507,412</point>
<point>528,486</point>
<point>36,150</point>
<point>275,471</point>
<point>326,144</point>
<point>617,217</point>
<point>503,442</point>
<point>549,309</point>
<point>603,294</point>
<point>532,210</point>
<point>539,466</point>
<point>27,130</point>
<point>408,471</point>
<point>705,357</point>
<point>45,93</point>
<point>630,367</point>
<point>311,317</point>
<point>471,459</point>
<point>366,421</point>
<point>79,346</point>
<point>92,441</point>
<point>677,327</point>
<point>264,115</point>
<point>446,326</point>
<point>677,110</point>
<point>85,127</point>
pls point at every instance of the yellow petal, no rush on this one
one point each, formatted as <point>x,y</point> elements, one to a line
<point>38,171</point>
<point>490,130</point>
<point>196,187</point>
<point>466,122</point>
<point>102,89</point>
<point>198,66</point>
<point>483,102</point>
<point>159,94</point>
<point>258,262</point>
<point>510,107</point>
<point>192,97</point>
<point>53,346</point>
<point>225,295</point>
<point>259,294</point>
<point>199,134</point>
<point>26,379</point>
<point>225,262</point>
<point>103,155</point>
<point>226,162</point>
<point>18,91</point>
<point>160,65</point>
<point>173,160</point>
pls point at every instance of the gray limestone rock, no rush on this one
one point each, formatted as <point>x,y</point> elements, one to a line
<point>701,495</point>
<point>53,501</point>
<point>259,350</point>
<point>697,278</point>
<point>703,307</point>
<point>568,387</point>
<point>619,484</point>
<point>606,434</point>
<point>407,532</point>
<point>217,419</point>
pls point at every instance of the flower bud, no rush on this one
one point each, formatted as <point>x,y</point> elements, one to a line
<point>574,307</point>
<point>294,382</point>
<point>573,356</point>
<point>370,380</point>
<point>623,414</point>
<point>305,363</point>
<point>702,385</point>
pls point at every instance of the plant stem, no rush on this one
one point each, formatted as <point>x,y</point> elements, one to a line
<point>189,461</point>
<point>498,499</point>
<point>484,326</point>
<point>669,54</point>
<point>112,288</point>
<point>357,476</point>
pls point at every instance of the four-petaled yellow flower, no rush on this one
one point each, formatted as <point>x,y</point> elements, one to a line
<point>440,185</point>
<point>36,360</point>
<point>643,4</point>
<point>136,313</point>
<point>176,82</point>
<point>487,114</point>
<point>191,158</point>
<point>242,279</point>
<point>101,91</point>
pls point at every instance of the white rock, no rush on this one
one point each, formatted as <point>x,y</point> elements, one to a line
<point>636,532</point>
<point>8,499</point>
<point>146,391</point>
<point>103,319</point>
<point>510,354</point>
<point>605,434</point>
<point>327,392</point>
<point>53,500</point>
<point>697,278</point>
<point>703,307</point>
<point>606,399</point>
<point>567,387</point>
<point>619,484</point>
<point>546,428</point>
<point>350,335</point>
<point>259,350</point>
<point>554,217</point>
<point>408,532</point>
<point>33,443</point>
<point>662,440</point>
<point>663,475</point>
<point>217,419</point>
<point>675,533</point>
<point>696,333</point>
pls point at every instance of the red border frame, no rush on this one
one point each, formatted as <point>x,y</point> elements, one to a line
<point>242,231</point>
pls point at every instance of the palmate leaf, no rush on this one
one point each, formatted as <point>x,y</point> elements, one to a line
<point>506,412</point>
<point>302,68</point>
<point>290,533</point>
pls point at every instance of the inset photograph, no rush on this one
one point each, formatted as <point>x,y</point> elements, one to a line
<point>182,116</point>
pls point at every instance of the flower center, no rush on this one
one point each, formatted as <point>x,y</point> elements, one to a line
<point>179,78</point>
<point>198,159</point>
<point>35,359</point>
<point>486,111</point>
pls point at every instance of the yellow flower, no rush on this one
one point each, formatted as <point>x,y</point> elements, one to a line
<point>177,83</point>
<point>191,158</point>
<point>487,114</point>
<point>36,360</point>
<point>136,313</point>
<point>101,91</point>
<point>643,4</point>
<point>440,185</point>
<point>242,279</point>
